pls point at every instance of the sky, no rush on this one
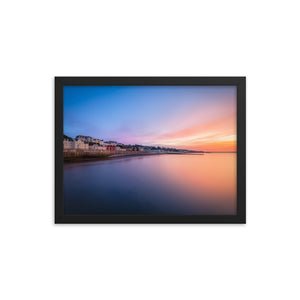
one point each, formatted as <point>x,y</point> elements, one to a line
<point>200,118</point>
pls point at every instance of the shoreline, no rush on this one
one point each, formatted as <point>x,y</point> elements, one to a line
<point>115,156</point>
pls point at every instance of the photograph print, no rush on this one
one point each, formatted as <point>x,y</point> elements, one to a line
<point>149,151</point>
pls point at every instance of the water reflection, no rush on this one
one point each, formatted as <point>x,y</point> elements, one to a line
<point>159,184</point>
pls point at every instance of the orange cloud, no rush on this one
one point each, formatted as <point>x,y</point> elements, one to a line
<point>217,135</point>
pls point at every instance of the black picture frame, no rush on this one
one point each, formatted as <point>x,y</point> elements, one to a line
<point>240,82</point>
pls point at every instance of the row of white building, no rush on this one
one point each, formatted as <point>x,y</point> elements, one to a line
<point>88,143</point>
<point>89,139</point>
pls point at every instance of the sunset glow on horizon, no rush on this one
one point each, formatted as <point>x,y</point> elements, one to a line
<point>199,118</point>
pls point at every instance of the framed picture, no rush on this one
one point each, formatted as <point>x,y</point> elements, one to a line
<point>150,150</point>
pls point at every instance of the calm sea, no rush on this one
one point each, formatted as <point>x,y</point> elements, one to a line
<point>158,184</point>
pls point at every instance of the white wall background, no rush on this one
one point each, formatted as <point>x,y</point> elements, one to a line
<point>43,39</point>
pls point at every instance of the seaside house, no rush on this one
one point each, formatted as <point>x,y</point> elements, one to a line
<point>70,144</point>
<point>81,145</point>
<point>89,139</point>
<point>98,141</point>
<point>110,146</point>
<point>97,147</point>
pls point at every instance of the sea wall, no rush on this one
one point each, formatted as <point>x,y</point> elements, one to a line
<point>79,153</point>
